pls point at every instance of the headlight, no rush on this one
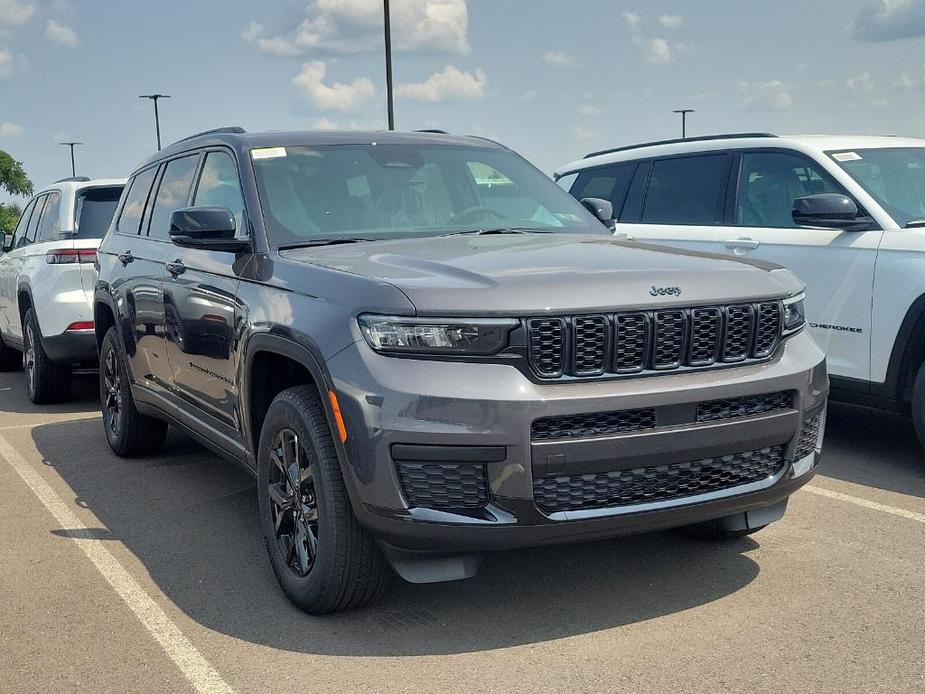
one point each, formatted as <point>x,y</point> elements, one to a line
<point>794,316</point>
<point>436,336</point>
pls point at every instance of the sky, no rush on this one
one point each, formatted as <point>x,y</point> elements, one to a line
<point>550,79</point>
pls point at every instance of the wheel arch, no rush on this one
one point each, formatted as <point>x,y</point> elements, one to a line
<point>907,355</point>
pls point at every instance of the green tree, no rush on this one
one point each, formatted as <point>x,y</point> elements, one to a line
<point>13,177</point>
<point>9,216</point>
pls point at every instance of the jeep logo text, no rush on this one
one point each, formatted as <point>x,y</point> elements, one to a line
<point>665,291</point>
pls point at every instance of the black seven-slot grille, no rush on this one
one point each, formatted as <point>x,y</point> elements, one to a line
<point>630,343</point>
<point>661,483</point>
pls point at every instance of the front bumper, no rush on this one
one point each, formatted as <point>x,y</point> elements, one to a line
<point>390,402</point>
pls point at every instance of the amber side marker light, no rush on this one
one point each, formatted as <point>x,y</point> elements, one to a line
<point>338,417</point>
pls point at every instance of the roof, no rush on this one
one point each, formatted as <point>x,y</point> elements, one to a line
<point>805,143</point>
<point>309,138</point>
<point>75,185</point>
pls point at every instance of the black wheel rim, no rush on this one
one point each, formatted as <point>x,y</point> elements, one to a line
<point>112,397</point>
<point>29,359</point>
<point>293,504</point>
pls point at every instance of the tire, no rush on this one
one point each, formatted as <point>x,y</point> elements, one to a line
<point>10,359</point>
<point>130,434</point>
<point>323,559</point>
<point>714,531</point>
<point>918,405</point>
<point>46,381</point>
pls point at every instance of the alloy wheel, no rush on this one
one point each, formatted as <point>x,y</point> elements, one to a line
<point>29,359</point>
<point>112,381</point>
<point>293,503</point>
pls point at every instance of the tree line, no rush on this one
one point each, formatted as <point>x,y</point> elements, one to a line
<point>13,180</point>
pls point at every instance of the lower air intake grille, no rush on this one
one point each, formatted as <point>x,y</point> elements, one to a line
<point>713,410</point>
<point>653,484</point>
<point>443,486</point>
<point>592,424</point>
<point>809,436</point>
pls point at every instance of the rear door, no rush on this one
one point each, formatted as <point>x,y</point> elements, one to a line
<point>677,201</point>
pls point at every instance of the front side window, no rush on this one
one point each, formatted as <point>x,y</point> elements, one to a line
<point>94,211</point>
<point>172,194</point>
<point>134,208</point>
<point>607,182</point>
<point>894,177</point>
<point>51,219</point>
<point>219,186</point>
<point>769,182</point>
<point>394,190</point>
<point>686,190</point>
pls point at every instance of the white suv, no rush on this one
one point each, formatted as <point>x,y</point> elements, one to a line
<point>47,280</point>
<point>846,214</point>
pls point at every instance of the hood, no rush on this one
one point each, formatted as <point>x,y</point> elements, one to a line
<point>521,274</point>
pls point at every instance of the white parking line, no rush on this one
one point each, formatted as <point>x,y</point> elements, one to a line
<point>68,418</point>
<point>866,503</point>
<point>200,673</point>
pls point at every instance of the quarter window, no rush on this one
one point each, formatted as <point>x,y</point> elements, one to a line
<point>686,190</point>
<point>769,182</point>
<point>134,208</point>
<point>24,222</point>
<point>172,194</point>
<point>50,224</point>
<point>219,186</point>
<point>29,236</point>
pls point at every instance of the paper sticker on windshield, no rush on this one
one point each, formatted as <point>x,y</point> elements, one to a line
<point>268,153</point>
<point>846,156</point>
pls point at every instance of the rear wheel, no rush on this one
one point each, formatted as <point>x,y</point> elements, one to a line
<point>324,560</point>
<point>128,432</point>
<point>10,359</point>
<point>46,381</point>
<point>918,405</point>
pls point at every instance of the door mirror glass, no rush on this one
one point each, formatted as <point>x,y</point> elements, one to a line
<point>205,227</point>
<point>829,211</point>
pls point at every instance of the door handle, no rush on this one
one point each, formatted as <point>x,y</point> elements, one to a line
<point>176,267</point>
<point>742,243</point>
<point>126,257</point>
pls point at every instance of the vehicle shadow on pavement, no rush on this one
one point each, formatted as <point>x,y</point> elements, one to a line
<point>85,395</point>
<point>873,448</point>
<point>191,519</point>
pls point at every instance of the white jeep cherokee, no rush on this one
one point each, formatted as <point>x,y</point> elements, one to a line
<point>47,280</point>
<point>845,213</point>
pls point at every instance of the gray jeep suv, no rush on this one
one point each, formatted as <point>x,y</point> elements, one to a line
<point>423,349</point>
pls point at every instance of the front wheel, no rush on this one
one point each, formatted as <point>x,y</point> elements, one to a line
<point>128,432</point>
<point>918,405</point>
<point>323,559</point>
<point>46,381</point>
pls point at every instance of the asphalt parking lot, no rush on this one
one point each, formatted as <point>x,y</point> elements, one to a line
<point>150,575</point>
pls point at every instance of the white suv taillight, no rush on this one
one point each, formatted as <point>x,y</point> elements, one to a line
<point>70,255</point>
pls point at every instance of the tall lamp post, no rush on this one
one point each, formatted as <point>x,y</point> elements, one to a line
<point>73,165</point>
<point>388,62</point>
<point>157,118</point>
<point>683,112</point>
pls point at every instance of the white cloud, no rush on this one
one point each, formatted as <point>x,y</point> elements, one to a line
<point>6,62</point>
<point>860,84</point>
<point>355,26</point>
<point>529,95</point>
<point>659,52</point>
<point>8,129</point>
<point>590,108</point>
<point>633,20</point>
<point>450,84</point>
<point>671,21</point>
<point>887,20</point>
<point>326,124</point>
<point>14,13</point>
<point>583,136</point>
<point>337,96</point>
<point>766,96</point>
<point>61,33</point>
<point>558,59</point>
<point>911,81</point>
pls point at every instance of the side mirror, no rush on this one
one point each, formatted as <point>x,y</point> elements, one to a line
<point>206,228</point>
<point>7,243</point>
<point>602,209</point>
<point>829,211</point>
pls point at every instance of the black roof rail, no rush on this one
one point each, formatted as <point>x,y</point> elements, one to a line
<point>75,179</point>
<point>432,130</point>
<point>215,131</point>
<point>701,138</point>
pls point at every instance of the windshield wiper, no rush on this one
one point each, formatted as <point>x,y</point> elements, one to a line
<point>498,230</point>
<point>321,242</point>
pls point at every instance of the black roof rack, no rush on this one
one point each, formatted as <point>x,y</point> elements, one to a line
<point>701,138</point>
<point>75,179</point>
<point>214,131</point>
<point>432,130</point>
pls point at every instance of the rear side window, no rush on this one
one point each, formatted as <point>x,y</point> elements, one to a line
<point>23,223</point>
<point>134,208</point>
<point>172,194</point>
<point>94,211</point>
<point>51,219</point>
<point>687,190</point>
<point>29,236</point>
<point>607,182</point>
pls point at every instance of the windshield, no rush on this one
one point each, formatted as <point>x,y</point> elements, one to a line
<point>390,191</point>
<point>894,177</point>
<point>95,207</point>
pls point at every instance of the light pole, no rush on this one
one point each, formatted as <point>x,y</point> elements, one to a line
<point>388,62</point>
<point>683,112</point>
<point>73,165</point>
<point>157,118</point>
